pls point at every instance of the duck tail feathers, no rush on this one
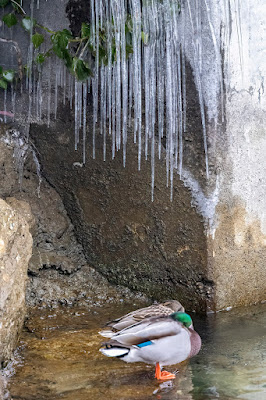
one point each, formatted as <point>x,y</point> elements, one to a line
<point>114,352</point>
<point>107,333</point>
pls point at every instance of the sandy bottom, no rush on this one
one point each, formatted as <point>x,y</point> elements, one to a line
<point>59,358</point>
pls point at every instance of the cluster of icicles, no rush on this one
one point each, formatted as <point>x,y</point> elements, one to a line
<point>140,97</point>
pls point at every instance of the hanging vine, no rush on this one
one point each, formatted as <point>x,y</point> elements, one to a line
<point>77,53</point>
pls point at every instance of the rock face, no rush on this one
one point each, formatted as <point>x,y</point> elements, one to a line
<point>58,270</point>
<point>157,248</point>
<point>208,247</point>
<point>15,252</point>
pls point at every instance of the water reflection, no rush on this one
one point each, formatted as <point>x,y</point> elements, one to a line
<point>59,359</point>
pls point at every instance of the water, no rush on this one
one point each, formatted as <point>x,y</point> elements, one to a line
<point>58,358</point>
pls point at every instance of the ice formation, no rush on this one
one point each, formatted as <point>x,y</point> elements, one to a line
<point>141,96</point>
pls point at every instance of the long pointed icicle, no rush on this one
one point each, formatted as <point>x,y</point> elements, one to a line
<point>142,94</point>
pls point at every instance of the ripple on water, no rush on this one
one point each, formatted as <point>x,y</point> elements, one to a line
<point>58,358</point>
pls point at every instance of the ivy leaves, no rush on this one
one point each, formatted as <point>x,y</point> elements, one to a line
<point>78,53</point>
<point>10,20</point>
<point>6,76</point>
<point>4,3</point>
<point>81,69</point>
<point>37,40</point>
<point>28,23</point>
<point>60,42</point>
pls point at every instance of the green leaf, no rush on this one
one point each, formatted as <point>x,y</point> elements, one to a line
<point>10,19</point>
<point>67,58</point>
<point>60,42</point>
<point>28,23</point>
<point>3,84</point>
<point>81,69</point>
<point>85,30</point>
<point>67,33</point>
<point>37,40</point>
<point>40,58</point>
<point>1,70</point>
<point>8,75</point>
<point>4,3</point>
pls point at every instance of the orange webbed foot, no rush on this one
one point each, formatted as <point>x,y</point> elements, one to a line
<point>163,375</point>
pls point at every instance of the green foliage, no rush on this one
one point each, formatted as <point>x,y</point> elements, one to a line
<point>41,57</point>
<point>81,69</point>
<point>37,39</point>
<point>3,83</point>
<point>6,77</point>
<point>10,19</point>
<point>4,3</point>
<point>85,30</point>
<point>60,41</point>
<point>77,53</point>
<point>28,23</point>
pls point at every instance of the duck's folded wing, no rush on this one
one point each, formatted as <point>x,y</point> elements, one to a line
<point>139,315</point>
<point>151,329</point>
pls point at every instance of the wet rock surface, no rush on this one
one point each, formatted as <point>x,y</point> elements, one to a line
<point>58,270</point>
<point>59,358</point>
<point>15,252</point>
<point>157,248</point>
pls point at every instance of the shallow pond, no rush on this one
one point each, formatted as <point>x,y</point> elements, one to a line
<point>58,358</point>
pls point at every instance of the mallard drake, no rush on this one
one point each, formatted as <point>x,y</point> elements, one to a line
<point>157,340</point>
<point>155,310</point>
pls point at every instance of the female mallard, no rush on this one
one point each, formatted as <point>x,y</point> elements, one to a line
<point>155,310</point>
<point>156,340</point>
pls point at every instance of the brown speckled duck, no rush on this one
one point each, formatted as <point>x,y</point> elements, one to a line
<point>155,310</point>
<point>163,340</point>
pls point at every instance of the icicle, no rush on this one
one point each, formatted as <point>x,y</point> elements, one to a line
<point>39,98</point>
<point>5,111</point>
<point>29,63</point>
<point>130,94</point>
<point>78,111</point>
<point>124,76</point>
<point>160,89</point>
<point>13,101</point>
<point>180,114</point>
<point>201,100</point>
<point>49,95</point>
<point>95,106</point>
<point>113,116</point>
<point>64,84</point>
<point>85,90</point>
<point>227,41</point>
<point>70,90</point>
<point>184,94</point>
<point>56,93</point>
<point>218,59</point>
<point>137,92</point>
<point>239,33</point>
<point>103,108</point>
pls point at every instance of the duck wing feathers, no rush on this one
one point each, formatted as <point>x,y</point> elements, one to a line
<point>155,310</point>
<point>149,329</point>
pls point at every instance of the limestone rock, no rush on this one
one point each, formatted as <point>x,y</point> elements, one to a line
<point>15,252</point>
<point>58,270</point>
